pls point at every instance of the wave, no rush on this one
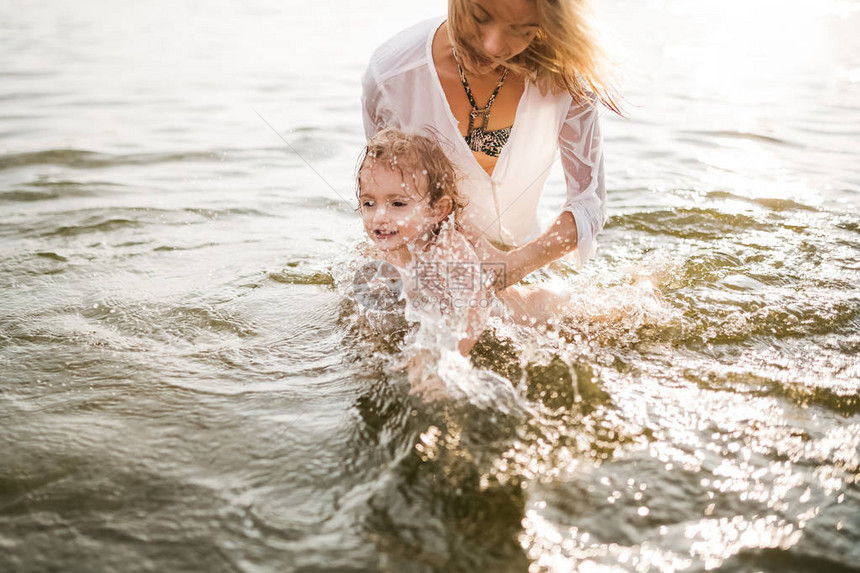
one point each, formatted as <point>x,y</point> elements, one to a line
<point>690,223</point>
<point>85,159</point>
<point>55,191</point>
<point>96,226</point>
<point>733,134</point>
<point>771,203</point>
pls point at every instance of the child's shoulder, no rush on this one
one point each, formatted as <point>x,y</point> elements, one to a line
<point>452,245</point>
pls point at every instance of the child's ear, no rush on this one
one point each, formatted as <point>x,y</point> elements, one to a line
<point>443,208</point>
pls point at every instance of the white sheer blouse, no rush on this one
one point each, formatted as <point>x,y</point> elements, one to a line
<point>402,90</point>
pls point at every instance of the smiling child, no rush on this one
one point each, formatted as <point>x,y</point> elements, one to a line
<point>408,201</point>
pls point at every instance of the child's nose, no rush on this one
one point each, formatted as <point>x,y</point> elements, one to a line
<point>380,213</point>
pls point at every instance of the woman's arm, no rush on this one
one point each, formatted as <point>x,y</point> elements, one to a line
<point>514,265</point>
<point>558,240</point>
<point>581,145</point>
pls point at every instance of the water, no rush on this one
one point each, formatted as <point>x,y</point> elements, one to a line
<point>185,388</point>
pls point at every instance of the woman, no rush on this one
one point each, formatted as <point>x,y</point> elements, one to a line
<point>509,84</point>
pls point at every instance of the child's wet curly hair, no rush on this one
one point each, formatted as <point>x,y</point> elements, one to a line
<point>415,156</point>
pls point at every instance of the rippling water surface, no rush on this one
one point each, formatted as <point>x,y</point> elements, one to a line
<point>185,387</point>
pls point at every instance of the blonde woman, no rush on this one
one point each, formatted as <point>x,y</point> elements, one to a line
<point>511,85</point>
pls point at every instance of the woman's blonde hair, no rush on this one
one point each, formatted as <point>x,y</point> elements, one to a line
<point>415,157</point>
<point>563,56</point>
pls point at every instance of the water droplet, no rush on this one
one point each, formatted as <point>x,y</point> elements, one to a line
<point>585,537</point>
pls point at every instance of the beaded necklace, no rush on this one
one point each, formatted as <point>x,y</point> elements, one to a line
<point>478,138</point>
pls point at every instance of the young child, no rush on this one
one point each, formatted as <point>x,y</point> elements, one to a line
<point>408,200</point>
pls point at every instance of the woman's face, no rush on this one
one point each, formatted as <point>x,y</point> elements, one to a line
<point>496,31</point>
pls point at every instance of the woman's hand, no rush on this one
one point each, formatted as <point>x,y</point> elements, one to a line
<point>514,265</point>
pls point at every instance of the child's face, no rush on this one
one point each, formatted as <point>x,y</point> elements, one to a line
<point>395,213</point>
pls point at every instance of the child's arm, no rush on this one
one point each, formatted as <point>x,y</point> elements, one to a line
<point>460,302</point>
